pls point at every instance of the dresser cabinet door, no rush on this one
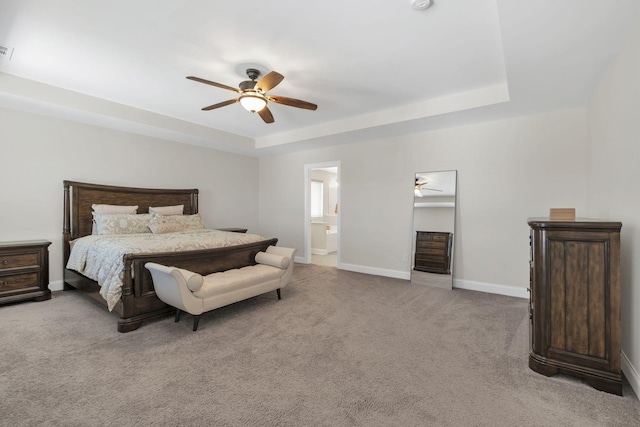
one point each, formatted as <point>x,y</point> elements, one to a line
<point>580,318</point>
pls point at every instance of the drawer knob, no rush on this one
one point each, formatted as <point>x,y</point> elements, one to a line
<point>5,283</point>
<point>6,261</point>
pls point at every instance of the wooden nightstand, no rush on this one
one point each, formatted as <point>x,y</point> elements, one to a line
<point>233,229</point>
<point>24,271</point>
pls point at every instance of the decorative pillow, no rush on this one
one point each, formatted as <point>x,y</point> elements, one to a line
<point>121,223</point>
<point>167,210</point>
<point>170,224</point>
<point>272,259</point>
<point>111,209</point>
<point>194,280</point>
<point>114,209</point>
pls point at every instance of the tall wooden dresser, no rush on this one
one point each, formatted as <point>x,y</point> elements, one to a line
<point>575,300</point>
<point>433,252</point>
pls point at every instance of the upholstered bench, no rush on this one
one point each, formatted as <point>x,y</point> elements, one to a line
<point>196,294</point>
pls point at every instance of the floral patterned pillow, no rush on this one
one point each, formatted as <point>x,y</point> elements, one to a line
<point>170,224</point>
<point>121,223</point>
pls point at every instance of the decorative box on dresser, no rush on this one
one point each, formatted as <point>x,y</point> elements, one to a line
<point>24,271</point>
<point>575,300</point>
<point>433,252</point>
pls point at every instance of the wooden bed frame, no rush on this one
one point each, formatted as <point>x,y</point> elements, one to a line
<point>139,301</point>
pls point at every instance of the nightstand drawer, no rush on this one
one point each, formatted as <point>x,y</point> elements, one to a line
<point>18,260</point>
<point>19,281</point>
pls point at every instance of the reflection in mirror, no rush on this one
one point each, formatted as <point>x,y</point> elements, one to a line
<point>434,218</point>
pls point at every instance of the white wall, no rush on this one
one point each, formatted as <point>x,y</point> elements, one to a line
<point>508,170</point>
<point>614,183</point>
<point>38,153</point>
<point>434,219</point>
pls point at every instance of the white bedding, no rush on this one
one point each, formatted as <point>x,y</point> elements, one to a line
<point>99,257</point>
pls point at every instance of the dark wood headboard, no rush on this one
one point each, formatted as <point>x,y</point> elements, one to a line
<point>79,196</point>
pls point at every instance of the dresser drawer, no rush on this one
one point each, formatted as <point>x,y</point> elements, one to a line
<point>440,237</point>
<point>18,260</point>
<point>441,246</point>
<point>430,251</point>
<point>431,258</point>
<point>14,282</point>
<point>436,237</point>
<point>433,266</point>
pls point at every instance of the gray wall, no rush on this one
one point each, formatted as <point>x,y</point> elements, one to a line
<point>39,152</point>
<point>508,170</point>
<point>614,135</point>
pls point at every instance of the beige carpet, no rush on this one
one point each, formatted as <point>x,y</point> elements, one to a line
<point>339,349</point>
<point>330,259</point>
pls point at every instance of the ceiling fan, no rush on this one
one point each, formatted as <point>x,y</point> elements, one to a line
<point>419,186</point>
<point>253,94</point>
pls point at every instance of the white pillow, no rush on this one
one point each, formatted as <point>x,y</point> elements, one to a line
<point>272,260</point>
<point>167,210</point>
<point>121,223</point>
<point>171,224</point>
<point>194,280</point>
<point>114,209</point>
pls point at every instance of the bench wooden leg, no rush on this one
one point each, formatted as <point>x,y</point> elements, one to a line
<point>278,291</point>
<point>177,314</point>
<point>196,320</point>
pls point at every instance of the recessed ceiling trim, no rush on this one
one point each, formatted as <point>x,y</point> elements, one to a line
<point>433,107</point>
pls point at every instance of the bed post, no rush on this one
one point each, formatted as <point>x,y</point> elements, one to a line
<point>194,202</point>
<point>66,231</point>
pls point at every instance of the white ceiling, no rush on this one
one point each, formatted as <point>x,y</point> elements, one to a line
<point>376,69</point>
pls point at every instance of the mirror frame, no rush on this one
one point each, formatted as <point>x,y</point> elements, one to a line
<point>432,245</point>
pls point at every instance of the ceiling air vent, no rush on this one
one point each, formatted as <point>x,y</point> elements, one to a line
<point>5,53</point>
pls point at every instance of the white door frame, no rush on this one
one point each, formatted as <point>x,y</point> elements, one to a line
<point>307,207</point>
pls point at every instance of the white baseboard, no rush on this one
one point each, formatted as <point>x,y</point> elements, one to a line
<point>316,251</point>
<point>56,286</point>
<point>395,274</point>
<point>630,373</point>
<point>470,285</point>
<point>492,288</point>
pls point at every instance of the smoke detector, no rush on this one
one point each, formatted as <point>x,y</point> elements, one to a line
<point>420,4</point>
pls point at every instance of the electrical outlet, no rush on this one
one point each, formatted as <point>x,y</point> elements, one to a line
<point>6,53</point>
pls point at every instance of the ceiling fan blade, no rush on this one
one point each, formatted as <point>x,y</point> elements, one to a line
<point>269,81</point>
<point>292,102</point>
<point>209,82</point>
<point>430,189</point>
<point>266,115</point>
<point>220,104</point>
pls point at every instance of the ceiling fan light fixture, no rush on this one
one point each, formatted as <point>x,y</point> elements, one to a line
<point>253,101</point>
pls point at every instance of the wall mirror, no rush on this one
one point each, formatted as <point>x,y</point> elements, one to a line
<point>434,219</point>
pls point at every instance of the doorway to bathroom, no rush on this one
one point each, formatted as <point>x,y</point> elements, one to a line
<point>322,213</point>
